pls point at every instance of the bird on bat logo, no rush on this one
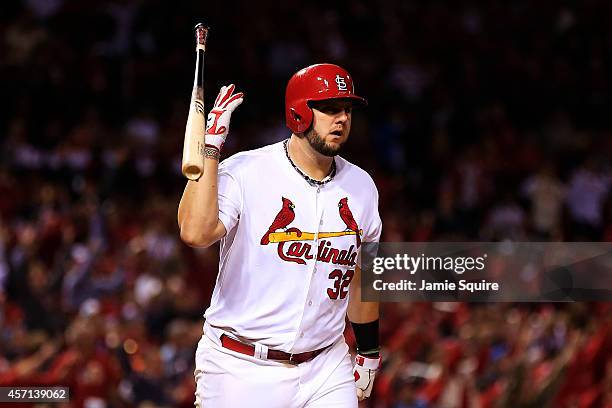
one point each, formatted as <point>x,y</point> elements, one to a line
<point>349,220</point>
<point>285,216</point>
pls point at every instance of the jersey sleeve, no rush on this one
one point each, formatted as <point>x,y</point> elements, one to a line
<point>374,228</point>
<point>372,231</point>
<point>230,196</point>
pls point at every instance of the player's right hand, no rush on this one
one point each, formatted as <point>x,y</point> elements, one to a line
<point>217,124</point>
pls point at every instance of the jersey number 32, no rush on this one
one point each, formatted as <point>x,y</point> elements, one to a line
<point>341,283</point>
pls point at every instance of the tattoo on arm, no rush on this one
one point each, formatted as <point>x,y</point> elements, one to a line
<point>211,153</point>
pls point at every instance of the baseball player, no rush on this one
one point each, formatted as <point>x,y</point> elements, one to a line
<point>291,218</point>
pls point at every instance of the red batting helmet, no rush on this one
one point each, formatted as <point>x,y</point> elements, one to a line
<point>316,83</point>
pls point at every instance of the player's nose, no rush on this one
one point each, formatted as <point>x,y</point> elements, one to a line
<point>342,116</point>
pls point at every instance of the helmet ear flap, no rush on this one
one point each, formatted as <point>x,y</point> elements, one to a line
<point>299,117</point>
<point>296,116</point>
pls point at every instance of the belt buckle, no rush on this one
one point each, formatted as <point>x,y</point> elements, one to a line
<point>291,359</point>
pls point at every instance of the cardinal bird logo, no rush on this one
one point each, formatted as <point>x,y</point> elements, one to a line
<point>284,217</point>
<point>349,220</point>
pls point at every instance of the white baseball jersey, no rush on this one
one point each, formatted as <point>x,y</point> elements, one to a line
<point>290,251</point>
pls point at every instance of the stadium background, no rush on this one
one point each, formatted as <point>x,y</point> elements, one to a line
<point>487,120</point>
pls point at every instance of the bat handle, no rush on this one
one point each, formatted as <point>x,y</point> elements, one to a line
<point>201,34</point>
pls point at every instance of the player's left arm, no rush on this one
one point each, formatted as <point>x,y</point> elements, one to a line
<point>358,311</point>
<point>364,320</point>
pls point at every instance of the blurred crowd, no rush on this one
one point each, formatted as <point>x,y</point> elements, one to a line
<point>486,121</point>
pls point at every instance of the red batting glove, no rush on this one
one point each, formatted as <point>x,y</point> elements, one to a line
<point>365,371</point>
<point>217,123</point>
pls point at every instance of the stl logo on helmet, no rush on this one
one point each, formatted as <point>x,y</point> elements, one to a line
<point>340,81</point>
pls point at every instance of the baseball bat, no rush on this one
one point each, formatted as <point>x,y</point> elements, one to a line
<point>192,165</point>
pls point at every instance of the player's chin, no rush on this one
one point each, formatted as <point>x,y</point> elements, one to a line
<point>332,148</point>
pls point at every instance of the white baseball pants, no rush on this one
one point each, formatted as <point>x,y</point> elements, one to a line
<point>227,379</point>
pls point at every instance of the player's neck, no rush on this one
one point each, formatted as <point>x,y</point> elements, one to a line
<point>311,162</point>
